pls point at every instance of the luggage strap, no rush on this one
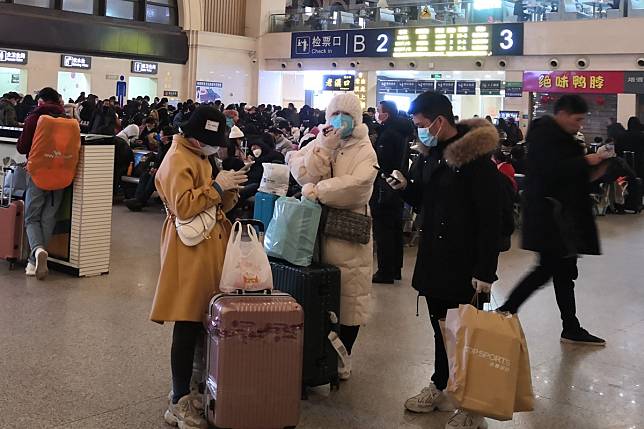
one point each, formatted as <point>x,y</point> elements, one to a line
<point>336,342</point>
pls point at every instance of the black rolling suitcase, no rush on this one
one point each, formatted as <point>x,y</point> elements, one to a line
<point>633,200</point>
<point>317,289</point>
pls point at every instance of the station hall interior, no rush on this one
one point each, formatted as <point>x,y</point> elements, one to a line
<point>101,306</point>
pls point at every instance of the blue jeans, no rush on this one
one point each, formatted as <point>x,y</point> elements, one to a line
<point>40,216</point>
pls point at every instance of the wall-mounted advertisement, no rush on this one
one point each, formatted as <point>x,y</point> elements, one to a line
<point>208,92</point>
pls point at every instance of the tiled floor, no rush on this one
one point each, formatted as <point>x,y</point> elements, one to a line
<point>82,354</point>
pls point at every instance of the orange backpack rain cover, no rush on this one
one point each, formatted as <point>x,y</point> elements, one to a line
<point>54,153</point>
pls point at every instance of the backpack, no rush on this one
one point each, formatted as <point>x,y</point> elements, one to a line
<point>54,153</point>
<point>508,198</point>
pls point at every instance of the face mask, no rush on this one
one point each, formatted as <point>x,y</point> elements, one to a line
<point>208,150</point>
<point>342,120</point>
<point>230,122</point>
<point>426,138</point>
<point>257,153</point>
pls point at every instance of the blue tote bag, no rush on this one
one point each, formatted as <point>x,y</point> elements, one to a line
<point>292,231</point>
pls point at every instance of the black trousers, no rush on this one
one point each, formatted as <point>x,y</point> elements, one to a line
<point>438,311</point>
<point>388,234</point>
<point>348,336</point>
<point>563,272</point>
<point>145,188</point>
<point>187,347</point>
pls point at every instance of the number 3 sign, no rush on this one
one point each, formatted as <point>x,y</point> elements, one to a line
<point>507,39</point>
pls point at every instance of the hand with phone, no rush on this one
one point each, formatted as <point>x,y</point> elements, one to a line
<point>396,180</point>
<point>331,137</point>
<point>383,174</point>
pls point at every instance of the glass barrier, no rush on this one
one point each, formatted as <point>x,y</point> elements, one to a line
<point>450,13</point>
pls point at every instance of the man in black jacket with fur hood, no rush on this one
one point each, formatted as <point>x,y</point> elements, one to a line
<point>457,189</point>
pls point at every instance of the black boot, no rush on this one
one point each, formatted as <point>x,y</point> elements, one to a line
<point>134,205</point>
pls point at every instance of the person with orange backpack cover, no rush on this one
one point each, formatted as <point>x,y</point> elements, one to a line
<point>51,143</point>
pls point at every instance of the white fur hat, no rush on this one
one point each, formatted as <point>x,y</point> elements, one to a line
<point>235,133</point>
<point>348,103</point>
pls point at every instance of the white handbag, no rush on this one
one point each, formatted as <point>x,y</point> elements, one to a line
<point>196,229</point>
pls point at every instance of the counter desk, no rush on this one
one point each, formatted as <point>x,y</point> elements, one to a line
<point>82,237</point>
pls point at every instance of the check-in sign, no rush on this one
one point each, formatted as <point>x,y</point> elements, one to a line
<point>144,67</point>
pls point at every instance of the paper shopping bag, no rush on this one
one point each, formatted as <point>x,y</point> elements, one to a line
<point>524,400</point>
<point>484,361</point>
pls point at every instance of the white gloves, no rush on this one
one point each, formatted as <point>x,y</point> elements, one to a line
<point>310,192</point>
<point>332,139</point>
<point>398,182</point>
<point>230,179</point>
<point>480,286</point>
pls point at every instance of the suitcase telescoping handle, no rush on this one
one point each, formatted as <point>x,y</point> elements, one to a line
<point>6,170</point>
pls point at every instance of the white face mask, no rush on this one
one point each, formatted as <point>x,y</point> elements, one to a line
<point>208,150</point>
<point>257,153</point>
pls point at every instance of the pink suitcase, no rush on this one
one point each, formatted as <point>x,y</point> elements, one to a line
<point>12,215</point>
<point>254,361</point>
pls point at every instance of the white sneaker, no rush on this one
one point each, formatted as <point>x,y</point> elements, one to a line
<point>428,400</point>
<point>195,397</point>
<point>184,415</point>
<point>41,263</point>
<point>344,368</point>
<point>466,420</point>
<point>30,271</point>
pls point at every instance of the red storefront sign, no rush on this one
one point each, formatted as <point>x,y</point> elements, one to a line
<point>580,82</point>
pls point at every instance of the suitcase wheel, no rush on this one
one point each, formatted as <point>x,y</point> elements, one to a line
<point>335,386</point>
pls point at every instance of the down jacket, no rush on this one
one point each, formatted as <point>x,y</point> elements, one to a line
<point>349,188</point>
<point>457,190</point>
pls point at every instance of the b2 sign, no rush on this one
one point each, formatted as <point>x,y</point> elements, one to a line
<point>342,43</point>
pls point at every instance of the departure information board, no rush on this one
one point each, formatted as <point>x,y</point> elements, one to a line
<point>459,41</point>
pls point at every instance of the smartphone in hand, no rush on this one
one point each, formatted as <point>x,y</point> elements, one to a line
<point>327,130</point>
<point>385,175</point>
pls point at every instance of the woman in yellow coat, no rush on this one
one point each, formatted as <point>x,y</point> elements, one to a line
<point>190,275</point>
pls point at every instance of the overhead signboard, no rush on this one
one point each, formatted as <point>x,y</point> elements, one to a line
<point>338,82</point>
<point>170,93</point>
<point>144,67</point>
<point>491,87</point>
<point>514,89</point>
<point>387,85</point>
<point>445,86</point>
<point>466,87</point>
<point>13,56</point>
<point>579,82</point>
<point>634,82</point>
<point>459,41</point>
<point>449,41</point>
<point>342,43</point>
<point>425,85</point>
<point>75,62</point>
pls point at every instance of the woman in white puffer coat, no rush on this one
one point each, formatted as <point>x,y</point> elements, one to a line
<point>337,169</point>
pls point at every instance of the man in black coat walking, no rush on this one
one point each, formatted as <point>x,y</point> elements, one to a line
<point>558,222</point>
<point>457,189</point>
<point>386,204</point>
